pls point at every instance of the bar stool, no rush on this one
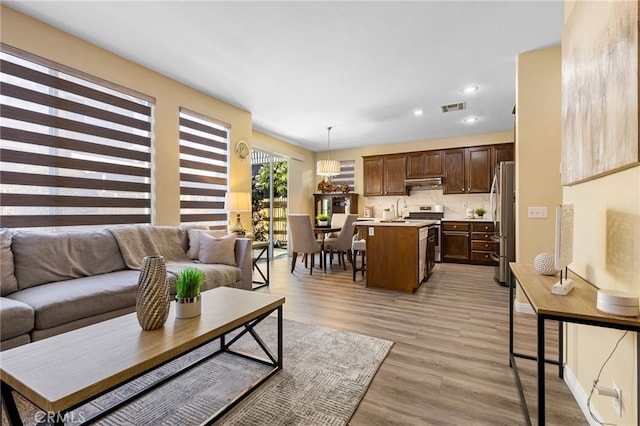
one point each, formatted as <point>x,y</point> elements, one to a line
<point>358,246</point>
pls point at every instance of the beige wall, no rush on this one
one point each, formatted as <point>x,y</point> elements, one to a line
<point>606,251</point>
<point>538,133</point>
<point>35,37</point>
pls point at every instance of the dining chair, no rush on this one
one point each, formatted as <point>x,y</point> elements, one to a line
<point>337,221</point>
<point>342,243</point>
<point>302,239</point>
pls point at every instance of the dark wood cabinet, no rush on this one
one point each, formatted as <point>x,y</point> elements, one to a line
<point>468,170</point>
<point>502,152</point>
<point>468,242</point>
<point>464,170</point>
<point>384,175</point>
<point>373,175</point>
<point>455,242</point>
<point>479,169</point>
<point>454,172</point>
<point>482,244</point>
<point>393,261</point>
<point>424,164</point>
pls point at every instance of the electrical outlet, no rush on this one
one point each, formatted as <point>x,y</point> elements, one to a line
<point>537,212</point>
<point>617,401</point>
<point>371,231</point>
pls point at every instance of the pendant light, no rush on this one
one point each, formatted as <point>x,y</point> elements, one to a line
<point>328,167</point>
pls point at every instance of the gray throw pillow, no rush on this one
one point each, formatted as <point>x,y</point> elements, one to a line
<point>194,240</point>
<point>218,250</point>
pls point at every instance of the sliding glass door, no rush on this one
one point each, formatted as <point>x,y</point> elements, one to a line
<point>270,180</point>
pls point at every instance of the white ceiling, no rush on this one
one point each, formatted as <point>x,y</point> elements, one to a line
<point>301,66</point>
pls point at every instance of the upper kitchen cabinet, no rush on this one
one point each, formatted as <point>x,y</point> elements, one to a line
<point>468,170</point>
<point>454,172</point>
<point>384,175</point>
<point>503,152</point>
<point>425,164</point>
<point>479,169</point>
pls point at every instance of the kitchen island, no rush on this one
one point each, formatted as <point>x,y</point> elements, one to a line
<point>400,254</point>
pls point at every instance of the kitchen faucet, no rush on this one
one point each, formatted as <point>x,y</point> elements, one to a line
<point>399,214</point>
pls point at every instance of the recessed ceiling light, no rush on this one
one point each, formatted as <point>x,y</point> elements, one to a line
<point>470,119</point>
<point>418,112</point>
<point>470,89</point>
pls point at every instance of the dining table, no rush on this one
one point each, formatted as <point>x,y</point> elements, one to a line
<point>322,231</point>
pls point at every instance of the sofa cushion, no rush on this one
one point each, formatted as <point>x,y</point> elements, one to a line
<point>218,250</point>
<point>45,257</point>
<point>8,282</point>
<point>65,301</point>
<point>16,317</point>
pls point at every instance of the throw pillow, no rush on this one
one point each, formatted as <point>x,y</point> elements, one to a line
<point>218,250</point>
<point>194,240</point>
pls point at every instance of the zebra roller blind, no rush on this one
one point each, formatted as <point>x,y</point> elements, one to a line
<point>75,150</point>
<point>204,169</point>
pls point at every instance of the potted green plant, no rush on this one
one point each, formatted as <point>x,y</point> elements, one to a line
<point>188,300</point>
<point>323,219</point>
<point>387,214</point>
<point>480,212</point>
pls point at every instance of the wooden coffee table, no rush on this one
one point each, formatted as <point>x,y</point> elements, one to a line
<point>63,372</point>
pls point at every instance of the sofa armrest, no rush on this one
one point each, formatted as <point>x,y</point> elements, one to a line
<point>244,259</point>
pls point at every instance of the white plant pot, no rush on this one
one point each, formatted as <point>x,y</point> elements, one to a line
<point>323,223</point>
<point>387,215</point>
<point>188,307</point>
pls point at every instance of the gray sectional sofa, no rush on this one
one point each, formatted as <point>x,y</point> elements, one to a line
<point>55,282</point>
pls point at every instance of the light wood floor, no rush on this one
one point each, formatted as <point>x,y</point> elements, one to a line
<point>449,364</point>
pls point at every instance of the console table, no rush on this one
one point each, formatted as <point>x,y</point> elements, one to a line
<point>579,307</point>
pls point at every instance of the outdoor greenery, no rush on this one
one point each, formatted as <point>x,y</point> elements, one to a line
<point>261,190</point>
<point>280,180</point>
<point>188,283</point>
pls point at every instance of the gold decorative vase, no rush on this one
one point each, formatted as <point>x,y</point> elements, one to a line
<point>152,299</point>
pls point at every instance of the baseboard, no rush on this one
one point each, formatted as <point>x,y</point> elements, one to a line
<point>523,308</point>
<point>580,395</point>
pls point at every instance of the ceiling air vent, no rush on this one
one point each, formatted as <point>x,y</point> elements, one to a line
<point>454,107</point>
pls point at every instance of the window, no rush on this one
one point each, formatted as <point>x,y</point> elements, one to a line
<point>347,174</point>
<point>75,150</point>
<point>203,169</point>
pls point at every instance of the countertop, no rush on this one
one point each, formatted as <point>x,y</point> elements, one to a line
<point>416,223</point>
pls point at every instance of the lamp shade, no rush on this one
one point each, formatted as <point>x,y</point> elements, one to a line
<point>328,167</point>
<point>237,201</point>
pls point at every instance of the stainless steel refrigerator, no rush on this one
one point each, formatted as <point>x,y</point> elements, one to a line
<point>503,198</point>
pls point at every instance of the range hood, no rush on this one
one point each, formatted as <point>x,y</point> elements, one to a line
<point>424,184</point>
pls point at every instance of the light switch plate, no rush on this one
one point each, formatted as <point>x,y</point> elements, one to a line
<point>537,212</point>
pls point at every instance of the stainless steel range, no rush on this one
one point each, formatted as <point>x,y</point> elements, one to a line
<point>436,213</point>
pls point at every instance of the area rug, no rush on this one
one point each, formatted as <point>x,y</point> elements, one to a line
<point>326,373</point>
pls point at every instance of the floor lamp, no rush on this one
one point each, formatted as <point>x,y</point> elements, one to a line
<point>237,202</point>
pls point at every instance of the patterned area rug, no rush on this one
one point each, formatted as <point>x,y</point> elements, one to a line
<point>326,373</point>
